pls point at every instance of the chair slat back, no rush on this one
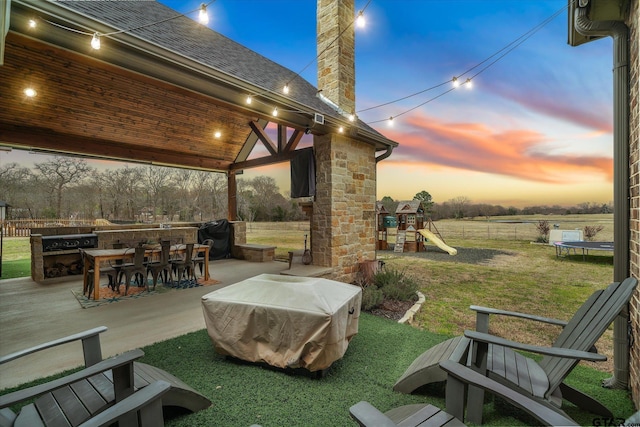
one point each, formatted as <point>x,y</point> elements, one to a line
<point>165,249</point>
<point>586,327</point>
<point>188,254</point>
<point>138,257</point>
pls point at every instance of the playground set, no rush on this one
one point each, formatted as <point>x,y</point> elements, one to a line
<point>413,229</point>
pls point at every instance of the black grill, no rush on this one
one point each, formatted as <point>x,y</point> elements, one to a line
<point>65,242</point>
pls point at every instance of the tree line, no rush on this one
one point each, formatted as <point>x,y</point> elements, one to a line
<point>462,207</point>
<point>69,188</point>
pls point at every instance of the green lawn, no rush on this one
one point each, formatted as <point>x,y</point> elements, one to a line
<point>244,394</point>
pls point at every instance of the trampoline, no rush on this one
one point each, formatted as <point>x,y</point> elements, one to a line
<point>566,247</point>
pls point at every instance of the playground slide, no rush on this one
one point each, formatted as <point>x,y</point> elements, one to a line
<point>438,242</point>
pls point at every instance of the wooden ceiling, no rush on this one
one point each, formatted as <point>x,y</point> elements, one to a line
<point>84,106</point>
<point>137,100</point>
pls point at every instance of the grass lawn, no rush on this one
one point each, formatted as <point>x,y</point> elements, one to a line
<point>245,394</point>
<point>524,277</point>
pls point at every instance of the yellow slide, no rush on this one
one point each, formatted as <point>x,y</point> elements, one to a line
<point>438,242</point>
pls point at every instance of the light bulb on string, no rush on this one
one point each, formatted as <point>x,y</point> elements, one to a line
<point>32,23</point>
<point>249,99</point>
<point>275,112</point>
<point>360,21</point>
<point>468,84</point>
<point>341,129</point>
<point>30,92</point>
<point>95,41</point>
<point>203,16</point>
<point>391,121</point>
<point>455,82</point>
<point>352,117</point>
<point>285,89</point>
<point>217,134</point>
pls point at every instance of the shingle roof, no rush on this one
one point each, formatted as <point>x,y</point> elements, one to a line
<point>162,26</point>
<point>410,206</point>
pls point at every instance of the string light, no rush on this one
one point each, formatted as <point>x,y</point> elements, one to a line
<point>30,92</point>
<point>249,99</point>
<point>455,80</point>
<point>391,121</point>
<point>341,129</point>
<point>275,112</point>
<point>217,134</point>
<point>285,89</point>
<point>32,23</point>
<point>360,21</point>
<point>95,41</point>
<point>203,16</point>
<point>352,117</point>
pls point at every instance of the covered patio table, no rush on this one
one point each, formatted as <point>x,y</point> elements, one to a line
<point>284,321</point>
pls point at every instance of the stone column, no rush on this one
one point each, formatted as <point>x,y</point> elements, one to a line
<point>343,223</point>
<point>336,52</point>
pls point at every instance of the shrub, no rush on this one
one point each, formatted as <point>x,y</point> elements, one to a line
<point>371,297</point>
<point>590,231</point>
<point>543,230</point>
<point>395,284</point>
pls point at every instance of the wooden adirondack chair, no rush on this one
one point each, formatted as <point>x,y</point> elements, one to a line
<point>85,395</point>
<point>541,381</point>
<point>56,405</point>
<point>459,377</point>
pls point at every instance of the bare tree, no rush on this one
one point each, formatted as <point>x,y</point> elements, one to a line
<point>155,179</point>
<point>61,172</point>
<point>459,205</point>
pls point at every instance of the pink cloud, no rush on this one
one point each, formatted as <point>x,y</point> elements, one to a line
<point>571,110</point>
<point>474,146</point>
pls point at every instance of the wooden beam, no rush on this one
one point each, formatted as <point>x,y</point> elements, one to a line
<point>282,137</point>
<point>263,137</point>
<point>232,196</point>
<point>46,140</point>
<point>263,161</point>
<point>294,140</point>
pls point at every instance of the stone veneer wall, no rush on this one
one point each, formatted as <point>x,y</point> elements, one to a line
<point>634,182</point>
<point>344,236</point>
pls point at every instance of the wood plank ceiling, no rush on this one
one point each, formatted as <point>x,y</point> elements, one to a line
<point>90,107</point>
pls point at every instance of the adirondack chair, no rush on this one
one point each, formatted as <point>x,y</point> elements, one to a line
<point>459,377</point>
<point>79,397</point>
<point>55,401</point>
<point>541,381</point>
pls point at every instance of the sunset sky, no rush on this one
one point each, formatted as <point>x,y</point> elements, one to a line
<point>536,128</point>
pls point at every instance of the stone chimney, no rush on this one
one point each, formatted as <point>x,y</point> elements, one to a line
<point>336,52</point>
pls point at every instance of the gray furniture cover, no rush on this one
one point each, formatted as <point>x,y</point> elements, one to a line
<point>284,321</point>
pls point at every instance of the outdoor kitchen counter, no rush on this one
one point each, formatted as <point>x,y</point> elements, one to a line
<point>284,321</point>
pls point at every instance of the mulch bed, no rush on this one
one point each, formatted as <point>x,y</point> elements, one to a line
<point>392,309</point>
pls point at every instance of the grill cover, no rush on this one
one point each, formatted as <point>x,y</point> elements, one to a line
<point>220,232</point>
<point>284,321</point>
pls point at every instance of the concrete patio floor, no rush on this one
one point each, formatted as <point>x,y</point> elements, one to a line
<point>33,313</point>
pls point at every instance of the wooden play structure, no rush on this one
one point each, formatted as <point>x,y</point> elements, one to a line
<point>413,228</point>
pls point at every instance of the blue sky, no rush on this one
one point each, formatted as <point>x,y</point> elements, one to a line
<point>535,129</point>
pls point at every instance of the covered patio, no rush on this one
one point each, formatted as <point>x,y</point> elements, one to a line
<point>164,90</point>
<point>33,313</point>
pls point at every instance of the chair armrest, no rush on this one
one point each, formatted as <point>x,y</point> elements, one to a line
<point>486,310</point>
<point>148,398</point>
<point>457,372</point>
<point>90,343</point>
<point>108,364</point>
<point>549,351</point>
<point>365,414</point>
